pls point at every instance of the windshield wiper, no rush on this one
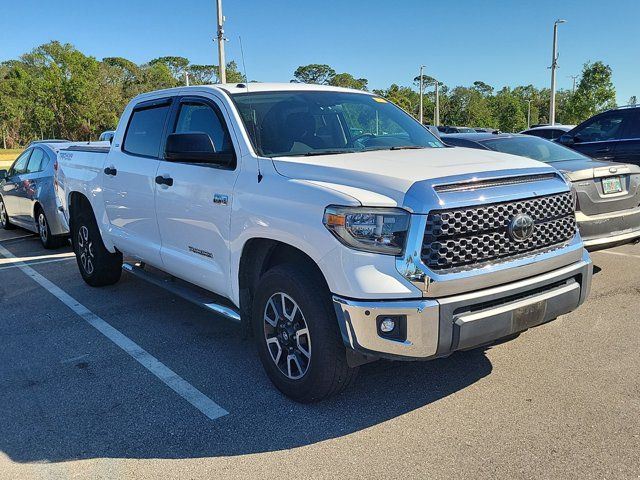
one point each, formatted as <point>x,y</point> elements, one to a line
<point>407,147</point>
<point>327,152</point>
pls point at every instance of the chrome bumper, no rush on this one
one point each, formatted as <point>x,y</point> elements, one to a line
<point>439,326</point>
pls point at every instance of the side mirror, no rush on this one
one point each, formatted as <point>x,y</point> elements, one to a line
<point>195,147</point>
<point>567,139</point>
<point>3,174</point>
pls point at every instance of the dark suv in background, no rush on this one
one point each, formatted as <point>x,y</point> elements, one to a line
<point>612,135</point>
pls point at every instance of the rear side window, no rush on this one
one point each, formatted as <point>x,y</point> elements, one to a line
<point>37,161</point>
<point>632,124</point>
<point>198,117</point>
<point>145,129</point>
<point>603,128</point>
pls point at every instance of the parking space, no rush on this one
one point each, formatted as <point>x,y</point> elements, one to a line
<point>562,400</point>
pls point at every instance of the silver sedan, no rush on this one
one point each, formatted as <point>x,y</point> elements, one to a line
<point>27,197</point>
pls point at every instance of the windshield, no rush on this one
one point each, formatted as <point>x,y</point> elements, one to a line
<point>324,122</point>
<point>534,147</point>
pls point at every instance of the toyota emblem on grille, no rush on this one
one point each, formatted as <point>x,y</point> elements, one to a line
<point>521,227</point>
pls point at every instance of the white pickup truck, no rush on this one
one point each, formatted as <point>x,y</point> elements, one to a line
<point>328,221</point>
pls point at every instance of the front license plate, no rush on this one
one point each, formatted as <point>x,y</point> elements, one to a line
<point>529,315</point>
<point>611,185</point>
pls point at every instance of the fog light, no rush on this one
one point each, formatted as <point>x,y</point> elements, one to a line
<point>387,325</point>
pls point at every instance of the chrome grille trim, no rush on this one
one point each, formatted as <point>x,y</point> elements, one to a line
<point>498,182</point>
<point>464,238</point>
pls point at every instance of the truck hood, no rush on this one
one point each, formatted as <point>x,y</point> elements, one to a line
<point>382,178</point>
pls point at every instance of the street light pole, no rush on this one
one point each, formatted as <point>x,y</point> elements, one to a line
<point>222,70</point>
<point>574,77</point>
<point>421,93</point>
<point>529,114</point>
<point>554,65</point>
<point>436,117</point>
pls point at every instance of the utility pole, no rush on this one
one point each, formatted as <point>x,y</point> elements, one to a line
<point>574,77</point>
<point>421,93</point>
<point>436,117</point>
<point>186,78</point>
<point>554,66</point>
<point>529,114</point>
<point>222,66</point>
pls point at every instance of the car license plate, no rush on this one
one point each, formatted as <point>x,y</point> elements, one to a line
<point>611,185</point>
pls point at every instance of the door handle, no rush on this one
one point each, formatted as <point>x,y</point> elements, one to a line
<point>604,150</point>
<point>111,171</point>
<point>168,181</point>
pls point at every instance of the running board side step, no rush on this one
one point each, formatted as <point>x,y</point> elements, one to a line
<point>207,300</point>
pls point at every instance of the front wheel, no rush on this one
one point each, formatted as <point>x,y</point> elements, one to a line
<point>98,266</point>
<point>297,335</point>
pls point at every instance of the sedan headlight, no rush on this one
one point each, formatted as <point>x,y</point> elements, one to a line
<point>370,229</point>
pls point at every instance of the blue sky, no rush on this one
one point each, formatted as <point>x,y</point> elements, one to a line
<point>498,42</point>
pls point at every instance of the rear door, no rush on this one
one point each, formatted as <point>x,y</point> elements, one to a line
<point>628,147</point>
<point>194,212</point>
<point>598,136</point>
<point>13,190</point>
<point>128,182</point>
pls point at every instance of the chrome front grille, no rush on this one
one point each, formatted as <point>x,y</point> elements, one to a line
<point>463,238</point>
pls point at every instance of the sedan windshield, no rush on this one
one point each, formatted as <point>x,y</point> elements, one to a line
<point>534,147</point>
<point>294,123</point>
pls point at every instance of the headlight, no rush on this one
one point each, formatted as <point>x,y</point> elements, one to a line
<point>370,229</point>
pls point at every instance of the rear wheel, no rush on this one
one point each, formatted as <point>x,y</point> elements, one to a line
<point>297,335</point>
<point>98,266</point>
<point>4,217</point>
<point>44,231</point>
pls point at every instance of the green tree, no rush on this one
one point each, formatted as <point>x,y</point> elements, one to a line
<point>176,65</point>
<point>314,73</point>
<point>595,92</point>
<point>347,80</point>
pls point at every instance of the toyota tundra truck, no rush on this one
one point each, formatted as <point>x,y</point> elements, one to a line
<point>330,223</point>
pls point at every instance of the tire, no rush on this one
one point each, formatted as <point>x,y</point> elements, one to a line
<point>4,217</point>
<point>44,232</point>
<point>310,335</point>
<point>98,266</point>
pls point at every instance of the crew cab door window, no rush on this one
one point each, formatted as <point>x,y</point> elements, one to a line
<point>144,133</point>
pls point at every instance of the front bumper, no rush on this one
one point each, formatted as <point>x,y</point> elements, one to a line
<point>437,327</point>
<point>609,229</point>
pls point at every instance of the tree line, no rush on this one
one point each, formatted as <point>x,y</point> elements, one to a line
<point>56,91</point>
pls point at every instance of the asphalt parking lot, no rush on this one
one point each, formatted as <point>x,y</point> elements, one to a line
<point>560,401</point>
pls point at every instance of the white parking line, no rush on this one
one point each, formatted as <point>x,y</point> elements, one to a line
<point>16,260</point>
<point>183,388</point>
<point>37,263</point>
<point>619,253</point>
<point>17,238</point>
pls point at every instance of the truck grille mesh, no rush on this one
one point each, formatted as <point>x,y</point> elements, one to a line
<point>461,238</point>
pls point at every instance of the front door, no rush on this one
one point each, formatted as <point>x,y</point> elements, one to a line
<point>194,212</point>
<point>128,181</point>
<point>13,190</point>
<point>598,137</point>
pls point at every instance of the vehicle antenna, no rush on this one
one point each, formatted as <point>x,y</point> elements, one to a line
<point>251,110</point>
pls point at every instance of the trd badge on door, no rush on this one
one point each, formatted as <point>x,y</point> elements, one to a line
<point>199,251</point>
<point>220,199</point>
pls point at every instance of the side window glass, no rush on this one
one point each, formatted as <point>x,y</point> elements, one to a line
<point>198,117</point>
<point>20,165</point>
<point>37,161</point>
<point>605,127</point>
<point>144,132</point>
<point>632,124</point>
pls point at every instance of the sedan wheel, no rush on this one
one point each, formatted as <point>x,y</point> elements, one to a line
<point>43,229</point>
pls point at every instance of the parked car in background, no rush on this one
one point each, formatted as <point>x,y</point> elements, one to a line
<point>27,196</point>
<point>434,130</point>
<point>486,130</point>
<point>608,194</point>
<point>107,136</point>
<point>450,129</point>
<point>611,135</point>
<point>550,132</point>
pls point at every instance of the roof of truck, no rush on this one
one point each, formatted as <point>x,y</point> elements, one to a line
<point>279,87</point>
